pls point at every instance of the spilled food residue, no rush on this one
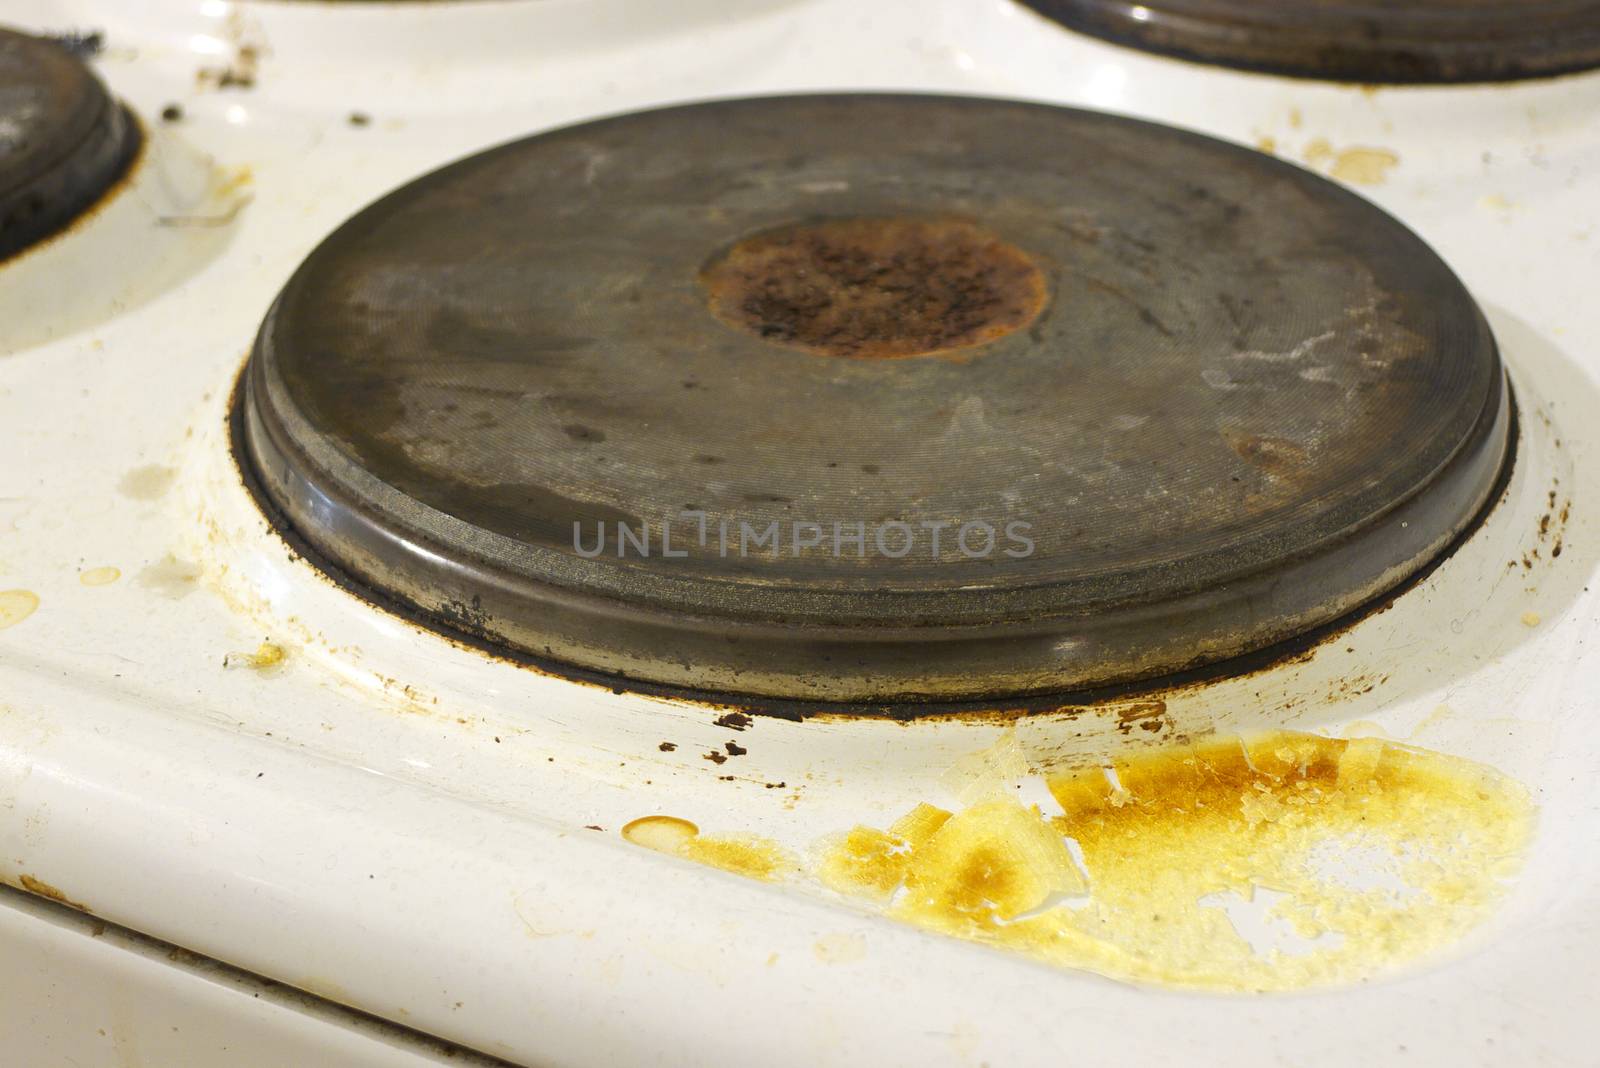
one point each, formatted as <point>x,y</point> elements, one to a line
<point>171,577</point>
<point>754,858</point>
<point>1271,863</point>
<point>43,889</point>
<point>99,576</point>
<point>1360,166</point>
<point>147,483</point>
<point>267,655</point>
<point>16,605</point>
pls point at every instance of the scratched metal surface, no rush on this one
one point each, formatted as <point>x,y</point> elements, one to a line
<point>1243,377</point>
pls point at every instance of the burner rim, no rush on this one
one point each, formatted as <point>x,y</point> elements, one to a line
<point>58,180</point>
<point>823,644</point>
<point>1423,47</point>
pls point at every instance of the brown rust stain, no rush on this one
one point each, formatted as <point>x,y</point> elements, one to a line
<point>876,288</point>
<point>38,886</point>
<point>1278,458</point>
<point>1148,716</point>
<point>734,721</point>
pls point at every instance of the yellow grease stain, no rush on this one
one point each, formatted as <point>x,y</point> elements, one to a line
<point>1357,854</point>
<point>16,605</point>
<point>147,483</point>
<point>1361,166</point>
<point>747,855</point>
<point>1341,857</point>
<point>171,577</point>
<point>99,576</point>
<point>43,889</point>
<point>267,655</point>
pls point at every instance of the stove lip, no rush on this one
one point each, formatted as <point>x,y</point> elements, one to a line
<point>893,646</point>
<point>798,709</point>
<point>1412,46</point>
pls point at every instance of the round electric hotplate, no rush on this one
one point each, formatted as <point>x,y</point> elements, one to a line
<point>1379,41</point>
<point>875,398</point>
<point>63,140</point>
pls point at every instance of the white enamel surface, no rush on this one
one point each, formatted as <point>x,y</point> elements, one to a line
<point>399,823</point>
<point>77,992</point>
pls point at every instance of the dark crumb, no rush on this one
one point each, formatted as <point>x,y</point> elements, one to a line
<point>360,118</point>
<point>172,113</point>
<point>667,747</point>
<point>593,827</point>
<point>775,785</point>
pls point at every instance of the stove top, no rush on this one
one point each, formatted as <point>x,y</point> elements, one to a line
<point>226,740</point>
<point>1373,41</point>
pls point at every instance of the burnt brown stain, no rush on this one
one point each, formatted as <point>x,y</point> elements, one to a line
<point>734,721</point>
<point>735,749</point>
<point>667,747</point>
<point>35,885</point>
<point>876,288</point>
<point>716,756</point>
<point>1277,457</point>
<point>586,434</point>
<point>1145,715</point>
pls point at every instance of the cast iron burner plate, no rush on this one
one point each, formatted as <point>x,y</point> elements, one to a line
<point>63,140</point>
<point>1378,41</point>
<point>1201,399</point>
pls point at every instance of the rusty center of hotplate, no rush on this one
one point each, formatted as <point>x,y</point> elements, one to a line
<point>876,288</point>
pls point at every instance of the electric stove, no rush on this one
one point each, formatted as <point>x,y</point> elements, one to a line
<point>342,721</point>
